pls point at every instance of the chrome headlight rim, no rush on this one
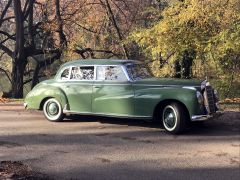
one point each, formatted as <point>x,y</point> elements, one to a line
<point>200,97</point>
<point>203,84</point>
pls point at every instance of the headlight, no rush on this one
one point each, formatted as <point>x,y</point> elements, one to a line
<point>199,97</point>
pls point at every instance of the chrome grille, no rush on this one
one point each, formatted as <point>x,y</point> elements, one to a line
<point>209,100</point>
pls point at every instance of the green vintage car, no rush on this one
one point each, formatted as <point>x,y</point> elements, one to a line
<point>122,88</point>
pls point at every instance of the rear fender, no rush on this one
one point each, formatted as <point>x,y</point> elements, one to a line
<point>36,98</point>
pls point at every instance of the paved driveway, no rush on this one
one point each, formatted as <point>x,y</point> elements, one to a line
<point>84,147</point>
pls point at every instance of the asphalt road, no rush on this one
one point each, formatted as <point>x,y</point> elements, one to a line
<point>84,147</point>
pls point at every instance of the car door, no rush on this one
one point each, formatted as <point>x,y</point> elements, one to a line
<point>78,88</point>
<point>112,93</point>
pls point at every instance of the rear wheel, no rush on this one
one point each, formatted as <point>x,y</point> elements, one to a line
<point>174,118</point>
<point>52,110</point>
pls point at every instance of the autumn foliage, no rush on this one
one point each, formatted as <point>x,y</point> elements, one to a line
<point>183,39</point>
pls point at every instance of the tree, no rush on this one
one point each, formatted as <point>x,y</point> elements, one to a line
<point>202,29</point>
<point>24,38</point>
<point>101,29</point>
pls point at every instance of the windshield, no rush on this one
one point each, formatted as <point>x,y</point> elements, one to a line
<point>138,71</point>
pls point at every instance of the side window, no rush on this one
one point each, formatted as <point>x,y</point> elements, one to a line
<point>65,74</point>
<point>110,73</point>
<point>82,73</point>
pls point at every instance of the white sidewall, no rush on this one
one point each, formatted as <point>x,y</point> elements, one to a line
<point>52,118</point>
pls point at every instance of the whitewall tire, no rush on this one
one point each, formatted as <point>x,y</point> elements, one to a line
<point>52,110</point>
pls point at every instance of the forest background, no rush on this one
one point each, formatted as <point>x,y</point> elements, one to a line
<point>175,38</point>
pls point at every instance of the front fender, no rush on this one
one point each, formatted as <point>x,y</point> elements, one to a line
<point>39,94</point>
<point>147,99</point>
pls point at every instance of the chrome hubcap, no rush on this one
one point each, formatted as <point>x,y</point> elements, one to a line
<point>169,117</point>
<point>52,109</point>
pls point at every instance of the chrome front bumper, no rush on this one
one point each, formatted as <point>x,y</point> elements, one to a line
<point>206,117</point>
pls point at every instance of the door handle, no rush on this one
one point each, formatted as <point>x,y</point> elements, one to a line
<point>97,87</point>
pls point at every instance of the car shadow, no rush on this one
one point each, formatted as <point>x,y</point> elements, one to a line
<point>226,125</point>
<point>112,120</point>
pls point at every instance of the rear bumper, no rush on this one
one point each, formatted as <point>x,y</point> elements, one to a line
<point>206,117</point>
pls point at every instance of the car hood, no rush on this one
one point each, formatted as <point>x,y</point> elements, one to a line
<point>169,82</point>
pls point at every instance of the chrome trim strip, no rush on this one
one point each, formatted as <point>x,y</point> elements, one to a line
<point>156,85</point>
<point>115,84</point>
<point>120,83</point>
<point>189,87</point>
<point>108,115</point>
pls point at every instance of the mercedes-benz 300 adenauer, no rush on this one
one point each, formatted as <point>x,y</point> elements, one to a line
<point>122,88</point>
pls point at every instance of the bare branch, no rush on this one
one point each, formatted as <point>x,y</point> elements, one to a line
<point>6,73</point>
<point>89,50</point>
<point>25,7</point>
<point>28,8</point>
<point>5,11</point>
<point>7,34</point>
<point>112,18</point>
<point>7,50</point>
<point>120,9</point>
<point>7,18</point>
<point>2,53</point>
<point>83,27</point>
<point>34,52</point>
<point>29,80</point>
<point>30,23</point>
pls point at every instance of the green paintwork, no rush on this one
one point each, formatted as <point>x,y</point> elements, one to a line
<point>79,95</point>
<point>43,91</point>
<point>113,98</point>
<point>127,99</point>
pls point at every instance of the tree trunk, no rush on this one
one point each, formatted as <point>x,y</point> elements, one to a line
<point>62,37</point>
<point>186,64</point>
<point>17,79</point>
<point>177,69</point>
<point>35,79</point>
<point>183,68</point>
<point>20,58</point>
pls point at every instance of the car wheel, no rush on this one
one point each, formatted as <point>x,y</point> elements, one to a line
<point>52,110</point>
<point>174,118</point>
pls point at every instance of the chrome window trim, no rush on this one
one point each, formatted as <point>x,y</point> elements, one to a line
<point>58,78</point>
<point>121,66</point>
<point>75,80</point>
<point>126,73</point>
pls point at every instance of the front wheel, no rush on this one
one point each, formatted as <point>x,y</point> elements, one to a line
<point>174,118</point>
<point>52,110</point>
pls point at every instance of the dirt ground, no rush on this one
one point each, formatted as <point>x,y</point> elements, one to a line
<point>90,147</point>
